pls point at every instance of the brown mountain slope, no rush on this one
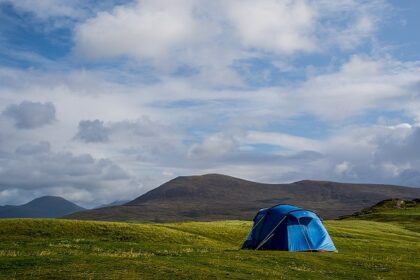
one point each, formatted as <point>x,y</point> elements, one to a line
<point>215,197</point>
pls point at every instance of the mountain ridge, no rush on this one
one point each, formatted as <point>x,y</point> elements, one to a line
<point>220,197</point>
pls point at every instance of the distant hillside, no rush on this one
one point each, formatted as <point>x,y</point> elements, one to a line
<point>114,203</point>
<point>42,207</point>
<point>220,197</point>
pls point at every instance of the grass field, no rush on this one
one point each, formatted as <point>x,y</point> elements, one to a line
<point>66,249</point>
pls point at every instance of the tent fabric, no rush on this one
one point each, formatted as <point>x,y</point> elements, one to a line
<point>289,228</point>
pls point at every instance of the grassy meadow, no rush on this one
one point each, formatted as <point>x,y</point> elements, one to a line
<point>67,249</point>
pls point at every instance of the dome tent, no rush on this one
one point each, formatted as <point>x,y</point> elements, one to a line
<point>289,228</point>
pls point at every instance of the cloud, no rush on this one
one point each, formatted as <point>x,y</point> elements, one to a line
<point>371,153</point>
<point>148,29</point>
<point>286,141</point>
<point>213,146</point>
<point>202,34</point>
<point>363,83</point>
<point>375,153</point>
<point>48,169</point>
<point>33,149</point>
<point>29,115</point>
<point>274,26</point>
<point>141,140</point>
<point>343,169</point>
<point>92,131</point>
<point>192,130</point>
<point>34,167</point>
<point>348,24</point>
<point>400,146</point>
<point>308,26</point>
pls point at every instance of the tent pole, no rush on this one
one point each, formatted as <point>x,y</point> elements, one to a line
<point>258,222</point>
<point>271,234</point>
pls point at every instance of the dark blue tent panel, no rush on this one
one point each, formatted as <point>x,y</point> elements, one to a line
<point>289,228</point>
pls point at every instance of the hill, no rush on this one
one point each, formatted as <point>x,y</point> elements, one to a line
<point>220,197</point>
<point>68,249</point>
<point>395,210</point>
<point>42,207</point>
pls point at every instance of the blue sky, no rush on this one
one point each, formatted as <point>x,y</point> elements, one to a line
<point>104,101</point>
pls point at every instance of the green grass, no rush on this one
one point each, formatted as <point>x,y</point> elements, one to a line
<point>65,249</point>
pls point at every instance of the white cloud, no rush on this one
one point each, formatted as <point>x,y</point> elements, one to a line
<point>343,167</point>
<point>213,34</point>
<point>361,84</point>
<point>275,26</point>
<point>148,29</point>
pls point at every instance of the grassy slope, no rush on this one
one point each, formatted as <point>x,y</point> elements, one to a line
<point>407,214</point>
<point>61,249</point>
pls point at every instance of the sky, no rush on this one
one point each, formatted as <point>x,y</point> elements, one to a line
<point>105,100</point>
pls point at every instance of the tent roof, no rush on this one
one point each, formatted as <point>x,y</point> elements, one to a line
<point>303,213</point>
<point>284,209</point>
<point>287,209</point>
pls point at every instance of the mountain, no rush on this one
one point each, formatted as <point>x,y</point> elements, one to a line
<point>114,203</point>
<point>220,197</point>
<point>42,207</point>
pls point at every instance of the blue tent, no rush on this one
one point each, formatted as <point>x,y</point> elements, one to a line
<point>289,228</point>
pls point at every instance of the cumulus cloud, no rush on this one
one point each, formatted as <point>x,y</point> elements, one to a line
<point>188,31</point>
<point>147,30</point>
<point>29,115</point>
